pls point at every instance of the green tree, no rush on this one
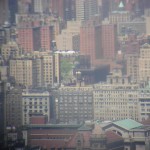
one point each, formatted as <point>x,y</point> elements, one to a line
<point>66,68</point>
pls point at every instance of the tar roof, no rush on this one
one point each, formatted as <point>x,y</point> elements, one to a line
<point>127,124</point>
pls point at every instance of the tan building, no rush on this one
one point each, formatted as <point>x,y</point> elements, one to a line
<point>21,70</point>
<point>3,73</point>
<point>144,63</point>
<point>116,99</point>
<point>148,25</point>
<point>46,68</point>
<point>37,69</point>
<point>48,72</point>
<point>69,38</point>
<point>35,102</point>
<point>133,66</point>
<point>10,50</point>
<point>119,16</point>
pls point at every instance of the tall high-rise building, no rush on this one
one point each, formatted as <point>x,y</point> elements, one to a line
<point>69,10</point>
<point>2,111</point>
<point>46,69</point>
<point>23,6</point>
<point>86,9</point>
<point>144,63</point>
<point>29,38</point>
<point>133,66</point>
<point>21,70</point>
<point>69,38</point>
<point>105,8</point>
<point>4,11</point>
<point>40,6</point>
<point>57,73</point>
<point>13,9</point>
<point>109,40</point>
<point>14,107</point>
<point>48,73</point>
<point>38,68</point>
<point>147,18</point>
<point>46,37</point>
<point>57,8</point>
<point>90,41</point>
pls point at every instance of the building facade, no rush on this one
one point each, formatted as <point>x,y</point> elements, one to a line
<point>48,72</point>
<point>70,10</point>
<point>13,107</point>
<point>144,63</point>
<point>21,70</point>
<point>86,9</point>
<point>90,41</point>
<point>74,104</point>
<point>38,68</point>
<point>29,38</point>
<point>147,25</point>
<point>57,8</point>
<point>136,26</point>
<point>109,40</point>
<point>69,38</point>
<point>40,6</point>
<point>10,50</point>
<point>116,99</point>
<point>46,37</point>
<point>133,66</point>
<point>7,34</point>
<point>144,103</point>
<point>4,15</point>
<point>119,16</point>
<point>34,102</point>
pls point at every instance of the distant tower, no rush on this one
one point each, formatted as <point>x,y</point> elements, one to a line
<point>85,9</point>
<point>40,6</point>
<point>13,9</point>
<point>13,107</point>
<point>4,11</point>
<point>23,6</point>
<point>109,42</point>
<point>69,10</point>
<point>29,38</point>
<point>57,7</point>
<point>90,42</point>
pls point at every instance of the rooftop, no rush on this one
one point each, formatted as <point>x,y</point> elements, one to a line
<point>127,124</point>
<point>51,126</point>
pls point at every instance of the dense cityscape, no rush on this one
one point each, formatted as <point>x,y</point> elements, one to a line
<point>75,74</point>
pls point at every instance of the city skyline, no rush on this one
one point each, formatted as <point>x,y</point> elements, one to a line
<point>75,74</point>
